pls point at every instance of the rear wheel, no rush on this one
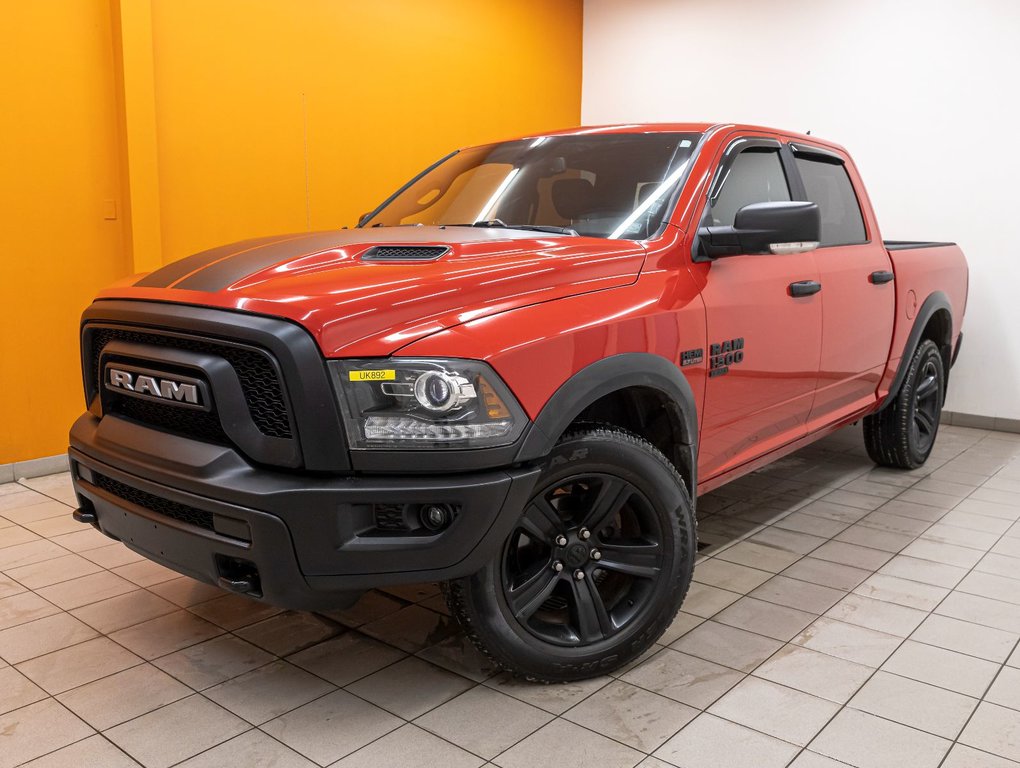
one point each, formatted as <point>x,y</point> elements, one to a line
<point>903,434</point>
<point>596,567</point>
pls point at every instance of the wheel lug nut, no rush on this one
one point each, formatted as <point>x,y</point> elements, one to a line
<point>557,566</point>
<point>579,574</point>
<point>596,555</point>
<point>561,541</point>
<point>584,533</point>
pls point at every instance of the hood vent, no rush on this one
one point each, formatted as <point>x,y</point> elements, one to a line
<point>405,252</point>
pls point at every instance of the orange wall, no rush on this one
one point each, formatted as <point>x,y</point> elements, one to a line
<point>245,117</point>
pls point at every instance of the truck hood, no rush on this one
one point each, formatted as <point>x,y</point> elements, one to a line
<point>354,305</point>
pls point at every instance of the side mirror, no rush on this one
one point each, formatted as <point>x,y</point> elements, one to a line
<point>783,227</point>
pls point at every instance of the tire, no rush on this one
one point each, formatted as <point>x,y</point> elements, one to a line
<point>903,433</point>
<point>557,604</point>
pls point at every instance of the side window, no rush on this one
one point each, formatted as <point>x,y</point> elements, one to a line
<point>829,186</point>
<point>755,176</point>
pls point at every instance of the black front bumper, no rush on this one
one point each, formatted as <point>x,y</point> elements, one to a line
<point>298,539</point>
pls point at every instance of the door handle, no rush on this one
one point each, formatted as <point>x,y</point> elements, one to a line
<point>804,288</point>
<point>881,276</point>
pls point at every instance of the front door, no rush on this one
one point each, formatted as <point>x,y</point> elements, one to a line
<point>763,341</point>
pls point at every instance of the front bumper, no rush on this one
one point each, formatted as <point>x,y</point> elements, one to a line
<point>298,540</point>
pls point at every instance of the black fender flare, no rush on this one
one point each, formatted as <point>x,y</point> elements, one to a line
<point>603,377</point>
<point>935,301</point>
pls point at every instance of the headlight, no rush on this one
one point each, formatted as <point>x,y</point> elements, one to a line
<point>425,403</point>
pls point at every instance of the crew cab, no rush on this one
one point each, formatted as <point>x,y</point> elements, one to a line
<point>514,376</point>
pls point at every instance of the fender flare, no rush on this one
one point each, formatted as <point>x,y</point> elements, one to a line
<point>603,377</point>
<point>935,301</point>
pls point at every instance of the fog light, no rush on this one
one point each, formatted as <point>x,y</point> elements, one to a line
<point>435,517</point>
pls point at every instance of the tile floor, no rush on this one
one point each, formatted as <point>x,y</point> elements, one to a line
<point>841,614</point>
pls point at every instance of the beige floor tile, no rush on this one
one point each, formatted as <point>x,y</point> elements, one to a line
<point>331,727</point>
<point>930,499</point>
<point>910,594</point>
<point>1005,691</point>
<point>184,591</point>
<point>115,699</point>
<point>769,619</point>
<point>812,524</point>
<point>682,624</point>
<point>289,632</point>
<point>234,611</point>
<point>411,628</point>
<point>788,541</point>
<point>877,614</point>
<point>196,723</point>
<point>1009,546</point>
<point>726,645</point>
<point>57,486</point>
<point>962,537</point>
<point>555,699</point>
<point>687,679</point>
<point>268,692</point>
<point>20,498</point>
<point>410,687</point>
<point>706,601</point>
<point>853,555</point>
<point>776,710</point>
<point>36,730</point>
<point>916,511</point>
<point>165,634</point>
<point>484,721</point>
<point>112,556</point>
<point>990,585</point>
<point>831,511</point>
<point>887,521</point>
<point>23,608</point>
<point>393,749</point>
<point>567,745</point>
<point>12,536</point>
<point>123,611</point>
<point>372,606</point>
<point>916,704</point>
<point>966,637</point>
<point>458,654</point>
<point>9,587</point>
<point>848,641</point>
<point>93,752</point>
<point>43,510</point>
<point>867,741</point>
<point>145,573</point>
<point>941,667</point>
<point>26,554</point>
<point>827,574</point>
<point>82,541</point>
<point>53,571</point>
<point>252,749</point>
<point>875,538</point>
<point>962,756</point>
<point>729,576</point>
<point>42,636</point>
<point>710,742</point>
<point>924,571</point>
<point>346,658</point>
<point>995,525</point>
<point>760,556</point>
<point>1000,565</point>
<point>85,590</point>
<point>981,507</point>
<point>981,610</point>
<point>940,552</point>
<point>994,729</point>
<point>816,673</point>
<point>214,661</point>
<point>807,759</point>
<point>55,525</point>
<point>794,593</point>
<point>631,715</point>
<point>68,668</point>
<point>17,691</point>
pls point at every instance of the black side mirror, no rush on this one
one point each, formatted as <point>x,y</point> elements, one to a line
<point>783,227</point>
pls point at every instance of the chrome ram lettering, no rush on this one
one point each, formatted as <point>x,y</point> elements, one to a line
<point>165,389</point>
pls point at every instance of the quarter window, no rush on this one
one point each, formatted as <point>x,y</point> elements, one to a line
<point>828,185</point>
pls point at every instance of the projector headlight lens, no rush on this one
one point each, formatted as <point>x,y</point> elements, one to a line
<point>403,403</point>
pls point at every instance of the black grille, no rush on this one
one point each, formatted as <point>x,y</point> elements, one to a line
<point>160,506</point>
<point>203,425</point>
<point>259,380</point>
<point>390,517</point>
<point>405,252</point>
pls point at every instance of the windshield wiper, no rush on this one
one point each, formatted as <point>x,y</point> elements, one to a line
<point>500,224</point>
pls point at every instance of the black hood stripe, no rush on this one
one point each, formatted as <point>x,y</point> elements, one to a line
<point>226,271</point>
<point>165,276</point>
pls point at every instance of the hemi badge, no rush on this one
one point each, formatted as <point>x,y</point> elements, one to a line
<point>379,375</point>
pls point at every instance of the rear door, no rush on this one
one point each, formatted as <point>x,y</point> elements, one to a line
<point>763,343</point>
<point>859,297</point>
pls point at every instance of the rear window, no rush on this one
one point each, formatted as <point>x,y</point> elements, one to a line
<point>828,185</point>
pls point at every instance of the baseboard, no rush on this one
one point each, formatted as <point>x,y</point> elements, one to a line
<point>981,422</point>
<point>48,465</point>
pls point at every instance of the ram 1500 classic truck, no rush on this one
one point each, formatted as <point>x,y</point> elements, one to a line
<point>514,376</point>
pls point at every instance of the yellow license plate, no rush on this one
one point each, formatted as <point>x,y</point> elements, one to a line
<point>379,375</point>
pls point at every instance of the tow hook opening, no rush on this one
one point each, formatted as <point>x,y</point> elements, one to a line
<point>237,575</point>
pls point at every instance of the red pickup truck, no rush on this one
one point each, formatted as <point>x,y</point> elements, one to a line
<point>514,376</point>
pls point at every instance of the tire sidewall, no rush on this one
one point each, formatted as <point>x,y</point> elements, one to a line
<point>926,351</point>
<point>616,453</point>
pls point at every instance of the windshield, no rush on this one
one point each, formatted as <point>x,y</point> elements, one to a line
<point>608,185</point>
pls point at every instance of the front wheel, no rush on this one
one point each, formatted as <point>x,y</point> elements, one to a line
<point>596,567</point>
<point>902,434</point>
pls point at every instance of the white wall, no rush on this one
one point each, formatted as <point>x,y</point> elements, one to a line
<point>924,95</point>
